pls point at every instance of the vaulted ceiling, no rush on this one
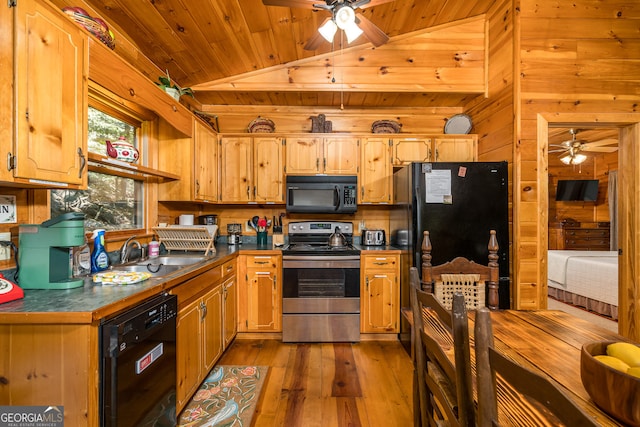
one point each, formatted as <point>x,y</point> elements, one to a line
<point>211,45</point>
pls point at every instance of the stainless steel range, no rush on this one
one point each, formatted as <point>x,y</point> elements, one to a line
<point>321,283</point>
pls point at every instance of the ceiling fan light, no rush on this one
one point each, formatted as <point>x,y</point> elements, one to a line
<point>579,158</point>
<point>574,159</point>
<point>566,159</point>
<point>352,32</point>
<point>328,30</point>
<point>344,17</point>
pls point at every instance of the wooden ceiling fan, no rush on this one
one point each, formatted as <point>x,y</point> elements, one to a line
<point>571,151</point>
<point>343,16</point>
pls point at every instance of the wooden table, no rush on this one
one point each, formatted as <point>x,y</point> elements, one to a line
<point>549,341</point>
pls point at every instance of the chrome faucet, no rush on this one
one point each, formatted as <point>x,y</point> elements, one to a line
<point>125,251</point>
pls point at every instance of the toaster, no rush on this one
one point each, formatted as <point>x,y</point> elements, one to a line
<point>373,238</point>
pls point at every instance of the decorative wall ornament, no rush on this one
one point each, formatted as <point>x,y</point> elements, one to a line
<point>8,209</point>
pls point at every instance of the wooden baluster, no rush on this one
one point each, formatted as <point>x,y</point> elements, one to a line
<point>427,278</point>
<point>494,273</point>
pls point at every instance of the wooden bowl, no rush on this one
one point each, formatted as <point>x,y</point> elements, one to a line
<point>615,392</point>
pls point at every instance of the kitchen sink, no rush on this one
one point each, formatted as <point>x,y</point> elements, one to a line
<point>155,270</point>
<point>173,260</point>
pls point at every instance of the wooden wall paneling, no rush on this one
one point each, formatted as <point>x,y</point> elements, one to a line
<point>555,45</point>
<point>115,74</point>
<point>629,235</point>
<point>445,58</point>
<point>235,119</point>
<point>494,116</point>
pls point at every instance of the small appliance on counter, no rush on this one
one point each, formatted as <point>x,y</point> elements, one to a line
<point>373,238</point>
<point>44,252</point>
<point>211,219</point>
<point>9,291</point>
<point>234,234</point>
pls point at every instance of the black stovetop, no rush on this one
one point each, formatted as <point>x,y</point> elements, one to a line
<point>320,248</point>
<point>313,238</point>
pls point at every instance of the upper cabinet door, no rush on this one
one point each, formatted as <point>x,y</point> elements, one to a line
<point>303,155</point>
<point>268,169</point>
<point>407,150</point>
<point>376,174</point>
<point>51,77</point>
<point>341,156</point>
<point>461,148</point>
<point>206,163</point>
<point>235,169</point>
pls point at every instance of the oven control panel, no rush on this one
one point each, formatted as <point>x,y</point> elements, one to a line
<point>320,227</point>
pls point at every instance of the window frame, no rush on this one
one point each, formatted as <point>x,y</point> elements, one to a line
<point>146,122</point>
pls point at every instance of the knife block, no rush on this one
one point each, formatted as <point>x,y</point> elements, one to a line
<point>278,240</point>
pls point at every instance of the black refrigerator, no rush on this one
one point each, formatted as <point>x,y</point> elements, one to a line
<point>458,203</point>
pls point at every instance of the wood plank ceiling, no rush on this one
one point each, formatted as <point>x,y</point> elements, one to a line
<point>202,43</point>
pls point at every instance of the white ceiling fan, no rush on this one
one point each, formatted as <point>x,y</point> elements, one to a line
<point>571,151</point>
<point>343,16</point>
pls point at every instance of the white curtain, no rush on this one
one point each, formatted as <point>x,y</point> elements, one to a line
<point>613,209</point>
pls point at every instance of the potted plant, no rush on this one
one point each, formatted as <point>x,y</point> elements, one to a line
<point>172,88</point>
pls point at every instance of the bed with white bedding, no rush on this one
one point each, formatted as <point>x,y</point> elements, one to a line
<point>587,279</point>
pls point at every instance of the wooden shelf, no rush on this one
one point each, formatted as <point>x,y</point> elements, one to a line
<point>98,162</point>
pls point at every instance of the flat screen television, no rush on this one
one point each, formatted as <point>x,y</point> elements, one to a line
<point>573,190</point>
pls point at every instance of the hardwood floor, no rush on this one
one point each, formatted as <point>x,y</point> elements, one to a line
<point>329,384</point>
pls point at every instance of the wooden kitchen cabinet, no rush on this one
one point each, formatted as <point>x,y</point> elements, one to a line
<point>194,159</point>
<point>322,155</point>
<point>411,149</point>
<point>251,169</point>
<point>434,148</point>
<point>229,302</point>
<point>260,293</point>
<point>455,148</point>
<point>199,331</point>
<point>376,174</point>
<point>205,143</point>
<point>380,293</point>
<point>51,61</point>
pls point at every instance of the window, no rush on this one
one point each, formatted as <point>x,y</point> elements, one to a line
<point>111,202</point>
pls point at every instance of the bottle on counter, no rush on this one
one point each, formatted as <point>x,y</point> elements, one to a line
<point>99,257</point>
<point>82,260</point>
<point>154,248</point>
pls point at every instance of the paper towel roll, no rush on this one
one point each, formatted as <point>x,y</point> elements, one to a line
<point>185,220</point>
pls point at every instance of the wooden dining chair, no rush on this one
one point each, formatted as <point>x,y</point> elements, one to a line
<point>444,389</point>
<point>477,282</point>
<point>533,395</point>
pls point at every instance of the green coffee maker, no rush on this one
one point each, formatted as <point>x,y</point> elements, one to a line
<point>45,251</point>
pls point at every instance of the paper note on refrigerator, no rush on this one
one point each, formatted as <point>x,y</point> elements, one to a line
<point>438,186</point>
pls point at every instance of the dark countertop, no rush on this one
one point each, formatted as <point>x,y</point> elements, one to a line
<point>376,248</point>
<point>91,302</point>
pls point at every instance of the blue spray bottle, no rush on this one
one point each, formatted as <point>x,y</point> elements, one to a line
<point>99,257</point>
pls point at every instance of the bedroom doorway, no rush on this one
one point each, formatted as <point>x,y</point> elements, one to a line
<point>628,127</point>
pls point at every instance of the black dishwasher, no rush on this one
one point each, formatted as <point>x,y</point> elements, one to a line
<point>138,365</point>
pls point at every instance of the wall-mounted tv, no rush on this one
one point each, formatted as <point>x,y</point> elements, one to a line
<point>583,190</point>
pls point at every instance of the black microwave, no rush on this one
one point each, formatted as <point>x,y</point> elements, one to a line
<point>322,193</point>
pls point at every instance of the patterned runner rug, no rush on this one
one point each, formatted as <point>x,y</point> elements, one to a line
<point>228,396</point>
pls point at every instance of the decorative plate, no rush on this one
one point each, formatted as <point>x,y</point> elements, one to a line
<point>120,277</point>
<point>458,124</point>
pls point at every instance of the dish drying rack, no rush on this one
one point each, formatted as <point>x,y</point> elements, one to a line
<point>183,238</point>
